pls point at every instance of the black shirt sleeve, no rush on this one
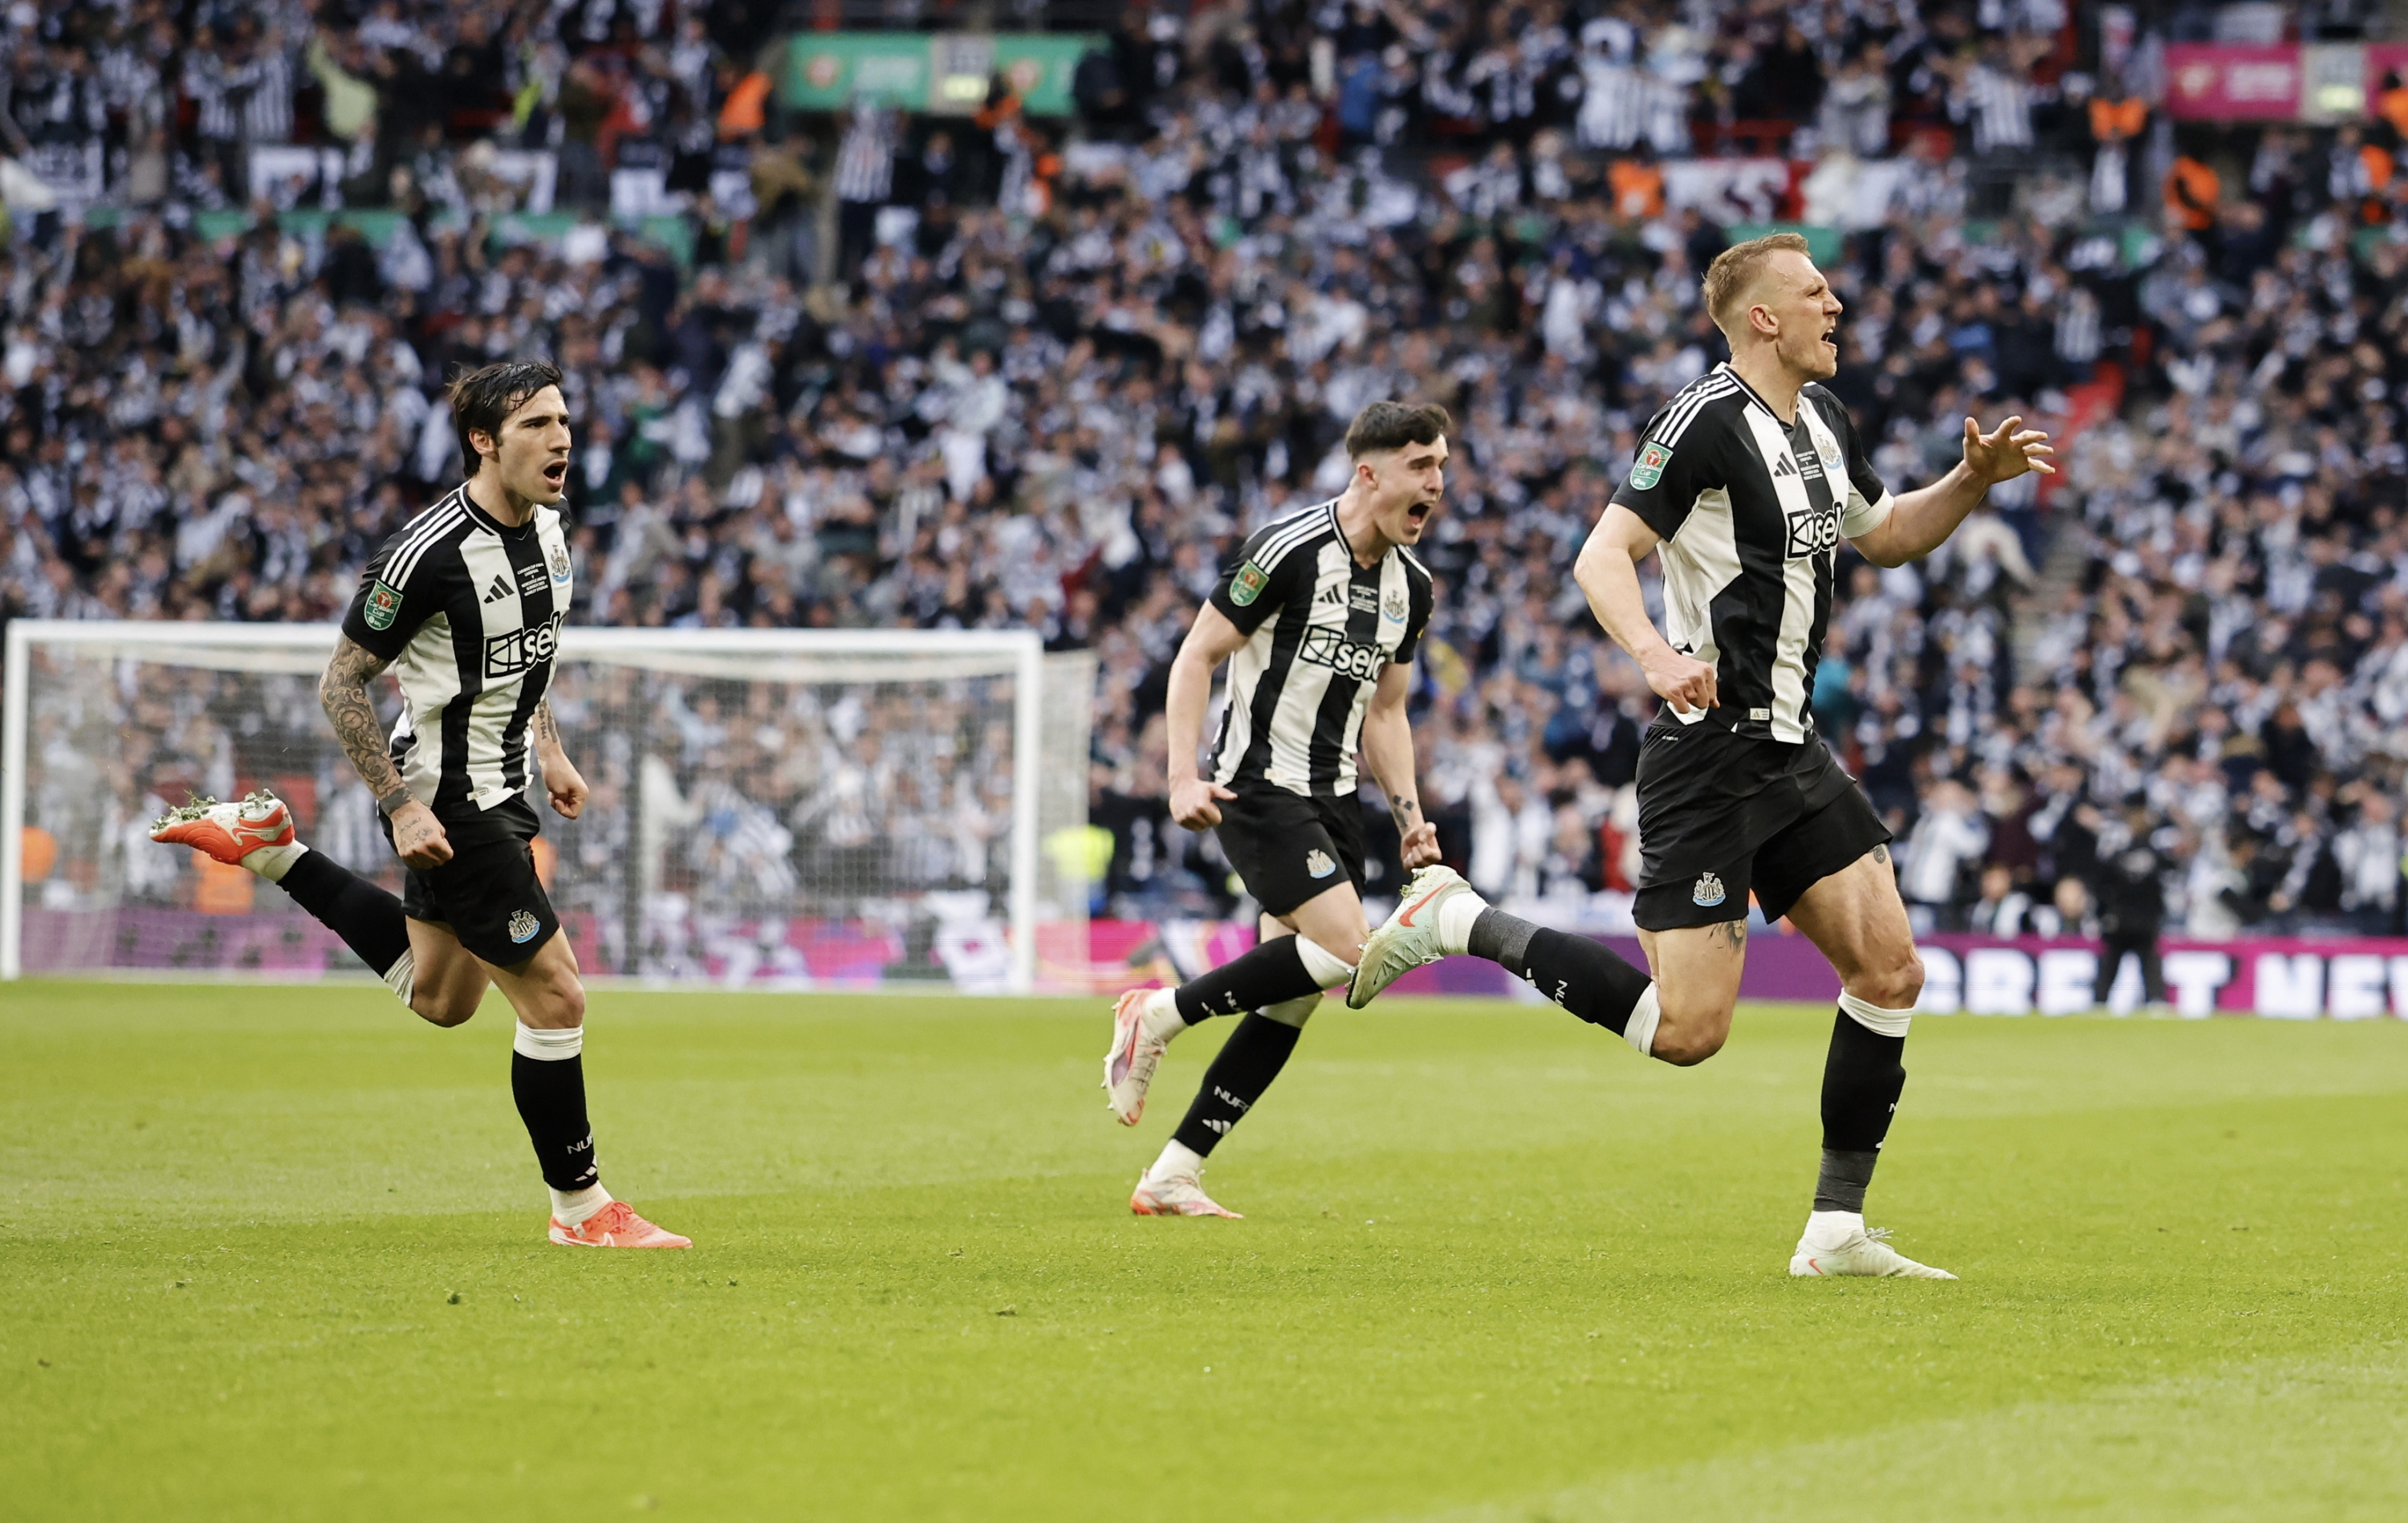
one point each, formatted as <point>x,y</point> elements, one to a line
<point>1250,592</point>
<point>1665,480</point>
<point>382,617</point>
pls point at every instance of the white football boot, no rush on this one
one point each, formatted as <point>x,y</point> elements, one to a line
<point>1410,937</point>
<point>1859,1250</point>
<point>1143,1022</point>
<point>1176,1195</point>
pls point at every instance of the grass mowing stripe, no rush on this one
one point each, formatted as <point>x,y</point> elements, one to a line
<point>2314,1440</point>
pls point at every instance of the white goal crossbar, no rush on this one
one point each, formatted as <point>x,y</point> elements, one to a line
<point>85,650</point>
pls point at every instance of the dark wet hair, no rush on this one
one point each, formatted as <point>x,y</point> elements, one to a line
<point>1392,426</point>
<point>482,398</point>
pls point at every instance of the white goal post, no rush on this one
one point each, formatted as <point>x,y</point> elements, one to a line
<point>771,808</point>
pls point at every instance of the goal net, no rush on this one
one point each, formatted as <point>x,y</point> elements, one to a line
<point>772,809</point>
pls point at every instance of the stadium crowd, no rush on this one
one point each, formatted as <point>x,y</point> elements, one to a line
<point>1059,368</point>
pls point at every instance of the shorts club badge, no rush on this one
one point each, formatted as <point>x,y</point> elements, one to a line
<point>1708,891</point>
<point>524,924</point>
<point>1317,862</point>
<point>383,607</point>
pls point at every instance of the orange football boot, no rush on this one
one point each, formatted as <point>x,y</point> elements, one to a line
<point>616,1226</point>
<point>227,832</point>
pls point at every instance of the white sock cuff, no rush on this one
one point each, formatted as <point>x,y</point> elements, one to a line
<point>549,1047</point>
<point>1454,919</point>
<point>402,977</point>
<point>273,862</point>
<point>1292,1012</point>
<point>572,1207</point>
<point>1887,1023</point>
<point>1162,1018</point>
<point>1328,968</point>
<point>1177,1160</point>
<point>1640,1032</point>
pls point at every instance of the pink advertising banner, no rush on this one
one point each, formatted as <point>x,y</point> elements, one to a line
<point>2383,61</point>
<point>2284,978</point>
<point>2225,82</point>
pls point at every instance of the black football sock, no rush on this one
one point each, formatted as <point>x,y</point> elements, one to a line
<point>1241,1072</point>
<point>1862,1079</point>
<point>1839,1185</point>
<point>548,1079</point>
<point>1585,977</point>
<point>368,919</point>
<point>1270,974</point>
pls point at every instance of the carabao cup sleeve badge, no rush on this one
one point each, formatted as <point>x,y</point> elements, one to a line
<point>1650,469</point>
<point>383,607</point>
<point>1247,584</point>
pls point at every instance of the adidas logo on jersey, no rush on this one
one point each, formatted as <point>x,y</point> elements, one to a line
<point>1785,466</point>
<point>499,590</point>
<point>1331,594</point>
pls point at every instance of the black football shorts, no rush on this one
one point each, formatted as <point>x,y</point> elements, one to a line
<point>1721,816</point>
<point>1289,847</point>
<point>488,893</point>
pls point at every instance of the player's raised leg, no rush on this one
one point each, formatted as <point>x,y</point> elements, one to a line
<point>1856,920</point>
<point>258,834</point>
<point>449,981</point>
<point>1441,916</point>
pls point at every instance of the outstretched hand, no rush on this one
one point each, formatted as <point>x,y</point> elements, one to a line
<point>2003,456</point>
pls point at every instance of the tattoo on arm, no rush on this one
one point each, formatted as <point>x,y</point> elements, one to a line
<point>343,692</point>
<point>1406,812</point>
<point>546,732</point>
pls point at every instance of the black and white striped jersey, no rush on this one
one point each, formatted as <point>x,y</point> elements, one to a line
<point>1752,511</point>
<point>469,612</point>
<point>1322,630</point>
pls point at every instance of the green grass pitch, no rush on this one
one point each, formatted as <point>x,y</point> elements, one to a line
<point>277,1253</point>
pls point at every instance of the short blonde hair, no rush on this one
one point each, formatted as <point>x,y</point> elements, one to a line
<point>1734,270</point>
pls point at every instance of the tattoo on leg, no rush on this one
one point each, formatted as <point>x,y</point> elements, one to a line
<point>1734,931</point>
<point>1881,854</point>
